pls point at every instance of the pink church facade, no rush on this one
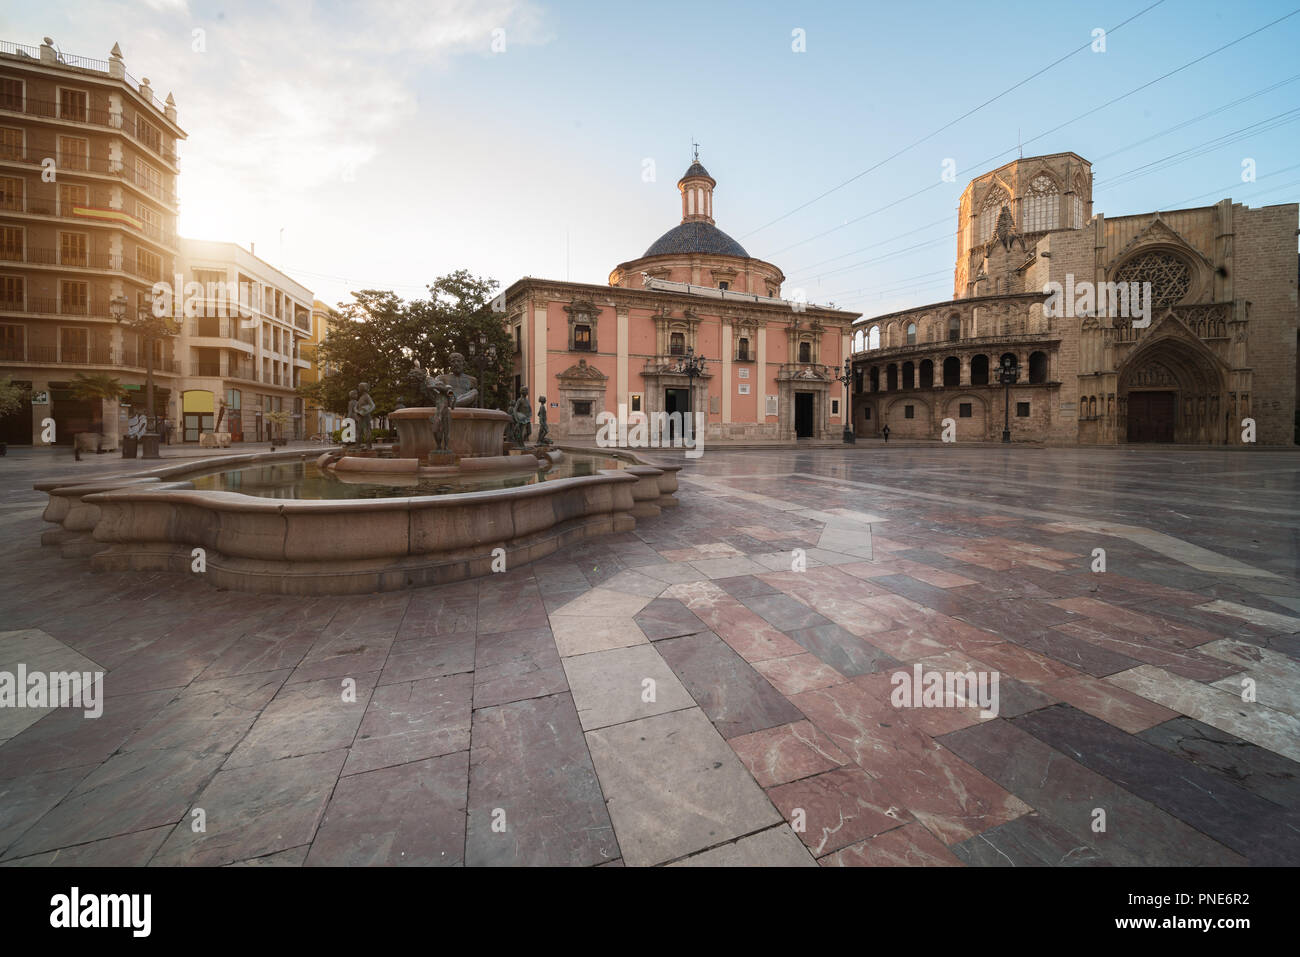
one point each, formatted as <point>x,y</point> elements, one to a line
<point>623,348</point>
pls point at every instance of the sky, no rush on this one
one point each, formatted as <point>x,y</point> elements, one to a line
<point>382,143</point>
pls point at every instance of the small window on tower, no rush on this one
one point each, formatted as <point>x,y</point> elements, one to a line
<point>724,285</point>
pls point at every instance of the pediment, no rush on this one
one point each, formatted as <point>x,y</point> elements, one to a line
<point>1157,233</point>
<point>583,373</point>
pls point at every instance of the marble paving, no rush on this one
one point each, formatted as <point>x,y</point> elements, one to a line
<point>717,688</point>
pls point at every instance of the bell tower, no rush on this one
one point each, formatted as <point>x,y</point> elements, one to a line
<point>697,192</point>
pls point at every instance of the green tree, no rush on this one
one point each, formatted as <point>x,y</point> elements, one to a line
<point>12,396</point>
<point>97,386</point>
<point>378,338</point>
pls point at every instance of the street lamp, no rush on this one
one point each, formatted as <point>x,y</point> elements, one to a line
<point>845,379</point>
<point>482,355</point>
<point>1008,373</point>
<point>693,366</point>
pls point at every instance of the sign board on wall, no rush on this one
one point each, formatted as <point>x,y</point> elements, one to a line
<point>743,388</point>
<point>744,373</point>
<point>40,398</point>
<point>771,405</point>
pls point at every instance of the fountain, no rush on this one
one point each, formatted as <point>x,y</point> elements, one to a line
<point>455,499</point>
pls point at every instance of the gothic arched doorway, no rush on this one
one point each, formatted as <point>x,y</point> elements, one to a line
<point>1171,389</point>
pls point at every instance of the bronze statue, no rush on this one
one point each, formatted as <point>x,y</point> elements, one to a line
<point>364,407</point>
<point>521,415</point>
<point>543,430</point>
<point>444,397</point>
<point>464,386</point>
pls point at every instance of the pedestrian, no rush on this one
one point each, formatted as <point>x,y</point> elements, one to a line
<point>885,433</point>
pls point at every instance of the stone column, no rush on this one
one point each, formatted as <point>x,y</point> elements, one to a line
<point>726,371</point>
<point>623,379</point>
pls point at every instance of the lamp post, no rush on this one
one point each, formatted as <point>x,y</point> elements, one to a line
<point>693,366</point>
<point>150,328</point>
<point>845,379</point>
<point>1008,373</point>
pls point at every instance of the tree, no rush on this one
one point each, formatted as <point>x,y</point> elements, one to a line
<point>98,386</point>
<point>12,396</point>
<point>378,338</point>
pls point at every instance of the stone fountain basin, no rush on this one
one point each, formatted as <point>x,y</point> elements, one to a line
<point>346,546</point>
<point>474,432</point>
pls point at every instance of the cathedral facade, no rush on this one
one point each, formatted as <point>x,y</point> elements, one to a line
<point>632,347</point>
<point>1170,326</point>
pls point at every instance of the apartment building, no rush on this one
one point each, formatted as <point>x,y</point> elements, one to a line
<point>245,323</point>
<point>88,208</point>
<point>319,421</point>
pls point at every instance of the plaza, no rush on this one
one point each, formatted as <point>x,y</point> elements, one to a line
<point>711,688</point>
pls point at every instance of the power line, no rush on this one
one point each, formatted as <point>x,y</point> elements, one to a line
<point>952,123</point>
<point>981,164</point>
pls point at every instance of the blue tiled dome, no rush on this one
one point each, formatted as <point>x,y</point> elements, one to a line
<point>696,237</point>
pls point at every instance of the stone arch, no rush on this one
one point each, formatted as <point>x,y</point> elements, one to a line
<point>1172,388</point>
<point>952,371</point>
<point>925,374</point>
<point>894,414</point>
<point>977,425</point>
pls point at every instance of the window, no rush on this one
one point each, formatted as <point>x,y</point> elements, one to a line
<point>151,218</point>
<point>70,197</point>
<point>964,410</point>
<point>677,344</point>
<point>148,134</point>
<point>147,178</point>
<point>581,407</point>
<point>979,370</point>
<point>12,342</point>
<point>1022,410</point>
<point>988,214</point>
<point>954,328</point>
<point>951,371</point>
<point>636,401</point>
<point>835,406</point>
<point>724,285</point>
<point>866,412</point>
<point>742,349</point>
<point>911,333</point>
<point>1170,276</point>
<point>1037,368</point>
<point>12,289</point>
<point>11,193</point>
<point>11,94</point>
<point>72,249</point>
<point>582,338</point>
<point>73,298</point>
<point>873,338</point>
<point>74,152</point>
<point>909,411</point>
<point>11,143</point>
<point>148,264</point>
<point>805,351</point>
<point>1042,205</point>
<point>11,243</point>
<point>72,105</point>
<point>519,341</point>
<point>73,345</point>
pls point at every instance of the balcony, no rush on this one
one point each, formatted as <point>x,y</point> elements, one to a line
<point>44,306</point>
<point>52,257</point>
<point>71,164</point>
<point>50,110</point>
<point>163,237</point>
<point>211,369</point>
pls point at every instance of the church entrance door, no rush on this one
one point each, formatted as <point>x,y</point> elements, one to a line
<point>1151,416</point>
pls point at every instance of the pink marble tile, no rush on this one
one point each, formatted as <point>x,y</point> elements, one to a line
<point>1180,635</point>
<point>1023,664</point>
<point>908,846</point>
<point>1114,705</point>
<point>838,808</point>
<point>787,753</point>
<point>798,673</point>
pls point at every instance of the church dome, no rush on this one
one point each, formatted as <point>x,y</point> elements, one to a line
<point>696,236</point>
